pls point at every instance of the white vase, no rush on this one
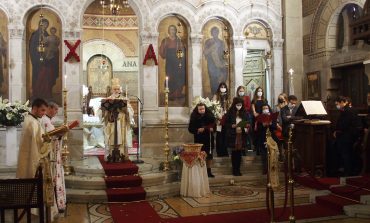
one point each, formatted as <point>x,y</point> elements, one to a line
<point>11,147</point>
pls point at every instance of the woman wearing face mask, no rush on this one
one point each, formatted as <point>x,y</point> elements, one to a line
<point>257,102</point>
<point>240,92</point>
<point>282,102</point>
<point>237,131</point>
<point>222,97</point>
<point>261,135</point>
<point>201,125</point>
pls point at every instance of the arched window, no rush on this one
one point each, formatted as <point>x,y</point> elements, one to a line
<point>349,13</point>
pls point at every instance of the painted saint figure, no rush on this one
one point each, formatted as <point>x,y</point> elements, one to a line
<point>45,65</point>
<point>214,53</point>
<point>175,67</point>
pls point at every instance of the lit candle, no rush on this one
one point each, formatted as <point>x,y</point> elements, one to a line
<point>291,71</point>
<point>65,80</point>
<point>166,86</point>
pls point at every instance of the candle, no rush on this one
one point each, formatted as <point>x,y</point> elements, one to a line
<point>166,82</point>
<point>126,91</point>
<point>65,80</point>
<point>291,71</point>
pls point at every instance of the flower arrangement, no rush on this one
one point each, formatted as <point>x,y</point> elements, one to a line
<point>176,152</point>
<point>213,106</point>
<point>12,114</point>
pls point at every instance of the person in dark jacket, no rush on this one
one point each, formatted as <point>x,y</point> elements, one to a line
<point>346,133</point>
<point>201,125</point>
<point>237,124</point>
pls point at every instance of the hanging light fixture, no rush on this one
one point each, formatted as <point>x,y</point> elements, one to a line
<point>42,43</point>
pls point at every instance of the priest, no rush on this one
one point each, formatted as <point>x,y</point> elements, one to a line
<point>124,122</point>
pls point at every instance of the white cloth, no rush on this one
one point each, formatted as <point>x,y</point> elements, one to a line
<point>194,181</point>
<point>31,147</point>
<point>57,169</point>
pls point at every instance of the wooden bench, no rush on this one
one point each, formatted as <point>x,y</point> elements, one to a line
<point>22,194</point>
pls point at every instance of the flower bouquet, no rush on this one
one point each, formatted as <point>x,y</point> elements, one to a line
<point>12,114</point>
<point>213,106</point>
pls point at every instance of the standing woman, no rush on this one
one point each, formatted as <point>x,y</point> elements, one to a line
<point>240,92</point>
<point>282,102</point>
<point>222,97</point>
<point>257,103</point>
<point>237,130</point>
<point>201,125</point>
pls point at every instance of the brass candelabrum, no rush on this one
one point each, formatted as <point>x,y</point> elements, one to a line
<point>290,174</point>
<point>166,164</point>
<point>68,170</point>
<point>270,190</point>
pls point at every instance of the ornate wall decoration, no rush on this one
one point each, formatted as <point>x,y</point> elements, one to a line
<point>110,22</point>
<point>173,60</point>
<point>99,74</point>
<point>256,31</point>
<point>4,56</point>
<point>44,56</point>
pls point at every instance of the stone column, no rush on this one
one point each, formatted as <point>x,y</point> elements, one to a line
<point>238,59</point>
<point>73,70</point>
<point>277,69</point>
<point>195,87</point>
<point>149,78</point>
<point>17,64</point>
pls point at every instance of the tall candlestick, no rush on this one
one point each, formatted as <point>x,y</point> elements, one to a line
<point>166,86</point>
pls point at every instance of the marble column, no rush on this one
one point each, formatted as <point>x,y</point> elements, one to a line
<point>195,87</point>
<point>238,60</point>
<point>17,64</point>
<point>277,68</point>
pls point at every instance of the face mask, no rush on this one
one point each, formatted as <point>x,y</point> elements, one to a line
<point>281,100</point>
<point>259,94</point>
<point>265,111</point>
<point>238,107</point>
<point>241,93</point>
<point>290,105</point>
<point>223,90</point>
<point>338,107</point>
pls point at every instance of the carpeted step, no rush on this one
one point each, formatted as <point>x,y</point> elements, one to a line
<point>334,202</point>
<point>118,169</point>
<point>138,212</point>
<point>362,182</point>
<point>125,194</point>
<point>350,192</point>
<point>123,181</point>
<point>316,183</point>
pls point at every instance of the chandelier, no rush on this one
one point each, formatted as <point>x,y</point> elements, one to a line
<point>115,5</point>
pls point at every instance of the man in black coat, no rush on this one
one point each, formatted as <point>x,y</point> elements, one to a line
<point>201,125</point>
<point>288,114</point>
<point>347,131</point>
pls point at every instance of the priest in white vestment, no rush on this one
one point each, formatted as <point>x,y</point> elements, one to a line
<point>124,123</point>
<point>57,171</point>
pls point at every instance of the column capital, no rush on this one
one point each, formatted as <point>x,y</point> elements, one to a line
<point>196,38</point>
<point>278,43</point>
<point>16,32</point>
<point>72,34</point>
<point>238,41</point>
<point>148,38</point>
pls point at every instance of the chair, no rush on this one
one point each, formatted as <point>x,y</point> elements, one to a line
<point>22,194</point>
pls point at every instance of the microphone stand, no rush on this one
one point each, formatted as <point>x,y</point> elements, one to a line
<point>138,150</point>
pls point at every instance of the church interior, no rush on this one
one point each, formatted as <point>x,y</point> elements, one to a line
<point>126,78</point>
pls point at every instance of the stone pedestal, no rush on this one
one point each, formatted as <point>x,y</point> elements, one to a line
<point>9,146</point>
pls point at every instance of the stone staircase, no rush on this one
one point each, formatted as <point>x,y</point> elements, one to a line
<point>88,186</point>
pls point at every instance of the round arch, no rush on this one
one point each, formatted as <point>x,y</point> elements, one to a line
<point>33,8</point>
<point>322,18</point>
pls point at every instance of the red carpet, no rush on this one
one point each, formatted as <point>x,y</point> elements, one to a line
<point>142,212</point>
<point>350,192</point>
<point>316,183</point>
<point>362,182</point>
<point>122,185</point>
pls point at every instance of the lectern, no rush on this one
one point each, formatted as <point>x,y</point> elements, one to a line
<point>114,107</point>
<point>310,137</point>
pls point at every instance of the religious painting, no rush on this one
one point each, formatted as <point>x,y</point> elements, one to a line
<point>256,30</point>
<point>44,56</point>
<point>216,56</point>
<point>4,66</point>
<point>99,75</point>
<point>173,52</point>
<point>313,85</point>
